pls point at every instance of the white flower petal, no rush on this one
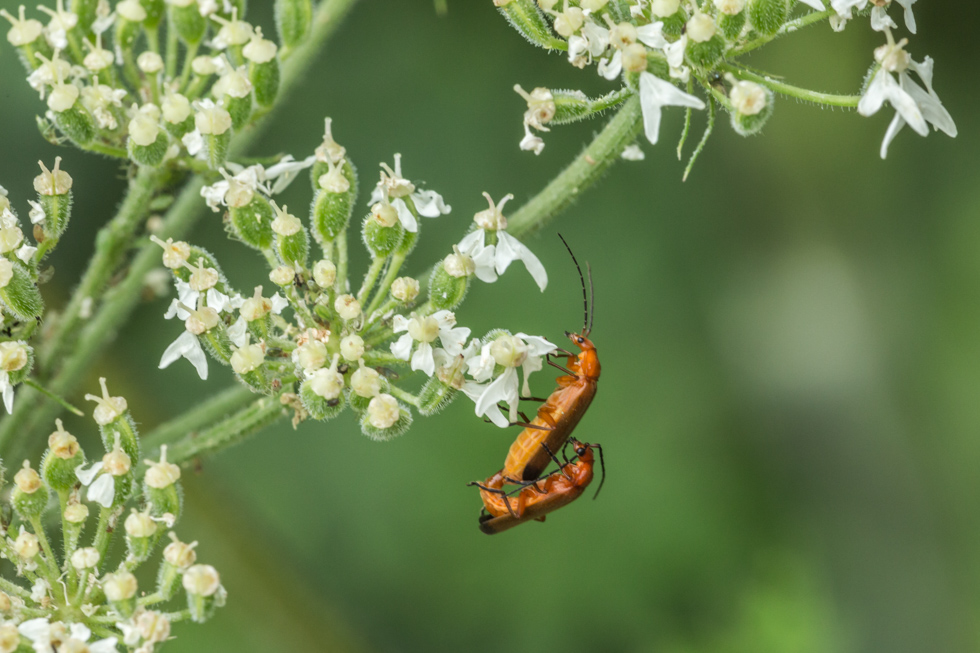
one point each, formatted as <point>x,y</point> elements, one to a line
<point>928,102</point>
<point>8,392</point>
<point>454,339</point>
<point>893,128</point>
<point>510,249</point>
<point>880,20</point>
<point>876,94</point>
<point>399,323</point>
<point>186,346</point>
<point>480,366</point>
<point>474,391</point>
<point>86,475</point>
<point>909,17</point>
<point>219,301</point>
<point>80,631</point>
<point>503,388</point>
<point>472,242</point>
<point>537,346</point>
<point>107,645</point>
<point>26,253</point>
<point>652,35</point>
<point>237,332</point>
<point>402,348</point>
<point>430,204</point>
<point>610,68</point>
<point>423,359</point>
<point>656,93</point>
<point>35,629</point>
<point>405,215</point>
<point>103,491</point>
<point>278,303</point>
<point>530,142</point>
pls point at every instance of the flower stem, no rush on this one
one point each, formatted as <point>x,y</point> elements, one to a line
<point>788,27</point>
<point>396,264</point>
<point>201,416</point>
<point>110,247</point>
<point>793,91</point>
<point>232,430</point>
<point>371,278</point>
<point>581,173</point>
<point>42,537</point>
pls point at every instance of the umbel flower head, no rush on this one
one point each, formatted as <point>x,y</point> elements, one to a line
<point>57,598</point>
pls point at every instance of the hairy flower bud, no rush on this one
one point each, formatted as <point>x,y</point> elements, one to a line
<point>324,273</point>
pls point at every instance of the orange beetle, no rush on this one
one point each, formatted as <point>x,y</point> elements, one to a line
<point>538,498</point>
<point>562,411</point>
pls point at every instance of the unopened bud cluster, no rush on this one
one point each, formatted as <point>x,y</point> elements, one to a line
<point>686,54</point>
<point>111,86</point>
<point>68,585</point>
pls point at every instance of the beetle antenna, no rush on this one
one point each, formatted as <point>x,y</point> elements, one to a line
<point>602,466</point>
<point>592,298</point>
<point>585,298</point>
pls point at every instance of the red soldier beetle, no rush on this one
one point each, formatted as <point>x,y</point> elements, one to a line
<point>564,408</point>
<point>539,498</point>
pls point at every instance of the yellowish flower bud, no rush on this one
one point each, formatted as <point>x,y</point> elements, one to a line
<point>201,580</point>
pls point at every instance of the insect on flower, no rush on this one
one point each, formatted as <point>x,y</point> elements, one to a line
<point>565,407</point>
<point>538,498</point>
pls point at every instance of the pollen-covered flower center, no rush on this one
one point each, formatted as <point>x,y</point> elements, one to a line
<point>508,351</point>
<point>423,329</point>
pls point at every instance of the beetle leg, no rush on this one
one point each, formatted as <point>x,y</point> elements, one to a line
<point>562,368</point>
<point>561,467</point>
<point>502,493</point>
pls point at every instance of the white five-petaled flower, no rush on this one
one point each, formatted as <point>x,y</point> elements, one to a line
<point>914,105</point>
<point>655,94</point>
<point>519,350</point>
<point>395,188</point>
<point>879,19</point>
<point>424,329</point>
<point>492,260</point>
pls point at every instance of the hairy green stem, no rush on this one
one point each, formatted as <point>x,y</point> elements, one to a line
<point>370,279</point>
<point>581,173</point>
<point>232,430</point>
<point>396,264</point>
<point>788,27</point>
<point>110,248</point>
<point>807,95</point>
<point>202,415</point>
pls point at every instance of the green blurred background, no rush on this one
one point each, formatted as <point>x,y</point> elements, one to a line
<point>791,369</point>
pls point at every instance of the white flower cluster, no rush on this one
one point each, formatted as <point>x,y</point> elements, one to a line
<point>314,342</point>
<point>157,105</point>
<point>63,599</point>
<point>662,49</point>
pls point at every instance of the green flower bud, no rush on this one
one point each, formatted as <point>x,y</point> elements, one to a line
<point>154,13</point>
<point>180,129</point>
<point>767,16</point>
<point>16,359</point>
<point>318,407</point>
<point>731,25</point>
<point>332,210</point>
<point>76,124</point>
<point>217,148</point>
<point>61,459</point>
<point>749,124</point>
<point>570,106</point>
<point>54,195</point>
<point>380,240</point>
<point>526,18</point>
<point>204,592</point>
<point>127,32</point>
<point>149,155</point>
<point>141,533</point>
<point>674,24</point>
<point>120,590</point>
<point>176,556</point>
<point>435,396</point>
<point>240,109</point>
<point>265,80</point>
<point>385,418</point>
<point>706,54</point>
<point>445,290</point>
<point>30,496</point>
<point>293,19</point>
<point>292,243</point>
<point>85,10</point>
<point>188,22</point>
<point>18,292</point>
<point>252,223</point>
<point>217,344</point>
<point>409,240</point>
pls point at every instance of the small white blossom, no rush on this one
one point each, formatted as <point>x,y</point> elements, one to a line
<point>424,330</point>
<point>395,188</point>
<point>515,351</point>
<point>655,94</point>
